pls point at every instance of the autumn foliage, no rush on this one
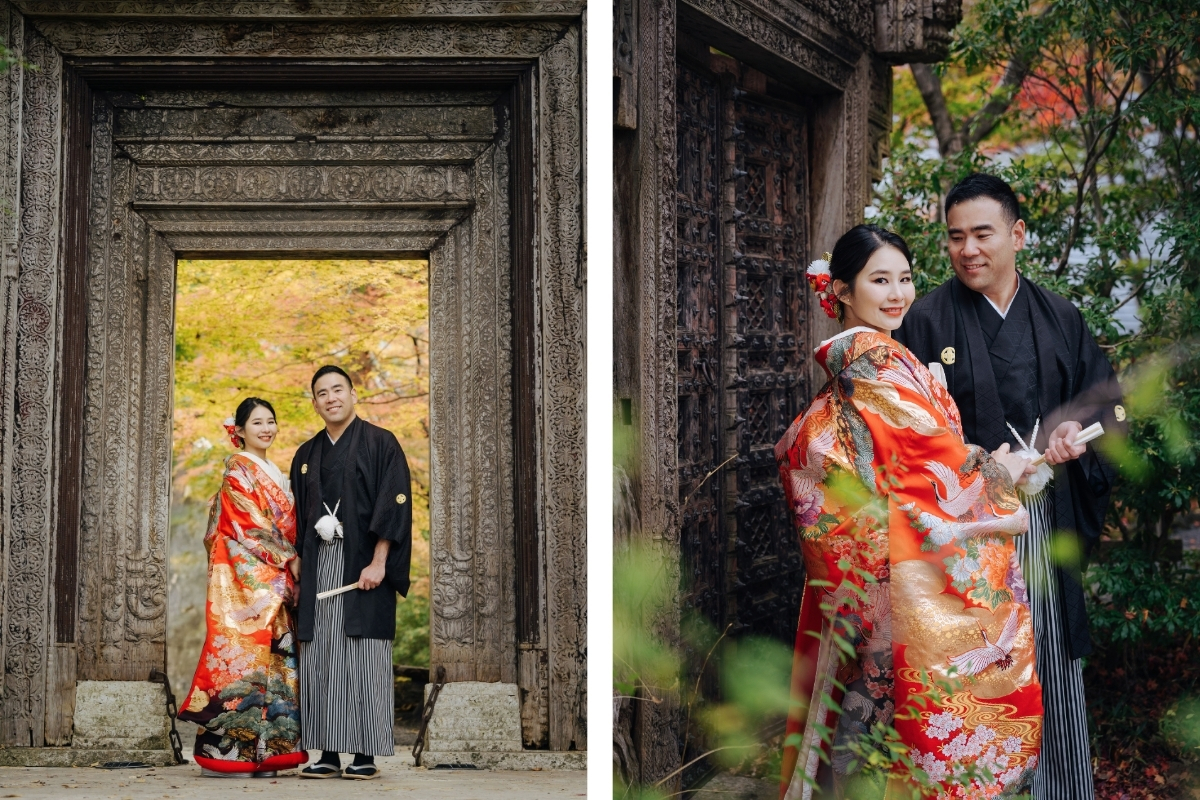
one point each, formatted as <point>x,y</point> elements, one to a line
<point>261,328</point>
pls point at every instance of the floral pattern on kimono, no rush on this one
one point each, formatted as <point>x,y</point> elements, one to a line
<point>244,693</point>
<point>907,536</point>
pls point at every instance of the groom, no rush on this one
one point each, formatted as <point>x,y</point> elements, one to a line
<point>1015,354</point>
<point>353,526</point>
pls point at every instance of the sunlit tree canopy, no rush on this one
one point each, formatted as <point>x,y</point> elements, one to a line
<point>261,328</point>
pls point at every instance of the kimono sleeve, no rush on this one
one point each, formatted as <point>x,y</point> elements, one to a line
<point>391,518</point>
<point>244,520</point>
<point>951,490</point>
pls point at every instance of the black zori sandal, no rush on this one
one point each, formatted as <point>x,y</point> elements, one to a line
<point>321,770</point>
<point>361,772</point>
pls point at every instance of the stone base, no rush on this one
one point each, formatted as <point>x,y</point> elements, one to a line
<point>79,757</point>
<point>523,760</point>
<point>121,715</point>
<point>478,725</point>
<point>474,716</point>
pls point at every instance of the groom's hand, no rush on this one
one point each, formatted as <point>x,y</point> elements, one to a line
<point>374,572</point>
<point>372,576</point>
<point>1061,447</point>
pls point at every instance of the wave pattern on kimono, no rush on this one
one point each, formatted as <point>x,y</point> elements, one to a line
<point>907,535</point>
<point>244,694</point>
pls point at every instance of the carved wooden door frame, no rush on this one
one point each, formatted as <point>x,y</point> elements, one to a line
<point>507,584</point>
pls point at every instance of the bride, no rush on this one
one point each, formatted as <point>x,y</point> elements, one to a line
<point>244,694</point>
<point>914,665</point>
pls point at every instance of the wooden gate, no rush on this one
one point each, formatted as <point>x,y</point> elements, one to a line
<point>742,356</point>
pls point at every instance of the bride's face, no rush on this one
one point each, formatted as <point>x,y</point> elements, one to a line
<point>260,429</point>
<point>883,292</point>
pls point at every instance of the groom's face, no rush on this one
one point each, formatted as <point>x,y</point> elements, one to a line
<point>984,244</point>
<point>333,398</point>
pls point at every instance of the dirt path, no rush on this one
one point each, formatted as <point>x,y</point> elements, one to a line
<point>400,779</point>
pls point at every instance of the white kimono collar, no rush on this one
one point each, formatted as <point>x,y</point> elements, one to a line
<point>847,332</point>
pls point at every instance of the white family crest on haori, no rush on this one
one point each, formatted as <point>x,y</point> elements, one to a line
<point>976,661</point>
<point>957,500</point>
<point>328,526</point>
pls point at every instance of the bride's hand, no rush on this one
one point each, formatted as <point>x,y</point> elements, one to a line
<point>293,569</point>
<point>1016,464</point>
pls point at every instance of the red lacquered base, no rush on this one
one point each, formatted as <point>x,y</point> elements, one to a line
<point>272,764</point>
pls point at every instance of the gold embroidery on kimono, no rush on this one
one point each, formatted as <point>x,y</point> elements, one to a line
<point>907,534</point>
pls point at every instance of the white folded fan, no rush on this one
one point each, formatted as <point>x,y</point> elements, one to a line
<point>1088,434</point>
<point>339,590</point>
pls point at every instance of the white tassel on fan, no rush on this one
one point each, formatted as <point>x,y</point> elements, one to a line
<point>328,526</point>
<point>1036,482</point>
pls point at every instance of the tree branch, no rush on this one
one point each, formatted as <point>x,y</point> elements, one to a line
<point>1096,149</point>
<point>980,124</point>
<point>930,86</point>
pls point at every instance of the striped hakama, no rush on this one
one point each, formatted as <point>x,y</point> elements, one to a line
<point>346,694</point>
<point>1065,768</point>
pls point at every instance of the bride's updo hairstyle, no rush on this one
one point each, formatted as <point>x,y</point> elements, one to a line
<point>242,416</point>
<point>855,248</point>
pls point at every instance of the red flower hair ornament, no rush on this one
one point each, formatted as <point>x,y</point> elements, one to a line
<point>231,429</point>
<point>821,282</point>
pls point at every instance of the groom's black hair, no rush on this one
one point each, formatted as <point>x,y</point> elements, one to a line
<point>979,184</point>
<point>327,369</point>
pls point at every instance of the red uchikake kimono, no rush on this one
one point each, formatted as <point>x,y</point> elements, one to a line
<point>907,534</point>
<point>244,694</point>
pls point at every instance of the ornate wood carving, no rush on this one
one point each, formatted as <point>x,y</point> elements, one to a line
<point>27,545</point>
<point>347,170</point>
<point>289,9</point>
<point>856,104</point>
<point>395,123</point>
<point>700,384</point>
<point>396,153</point>
<point>655,724</point>
<point>909,31</point>
<point>879,116</point>
<point>300,184</point>
<point>625,63</point>
<point>766,356</point>
<point>742,208</point>
<point>11,104</point>
<point>375,39</point>
<point>560,274</point>
<point>789,32</point>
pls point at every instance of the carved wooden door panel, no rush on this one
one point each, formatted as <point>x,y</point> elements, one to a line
<point>767,386</point>
<point>742,372</point>
<point>698,342</point>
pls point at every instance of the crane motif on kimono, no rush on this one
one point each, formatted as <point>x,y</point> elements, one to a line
<point>958,500</point>
<point>999,652</point>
